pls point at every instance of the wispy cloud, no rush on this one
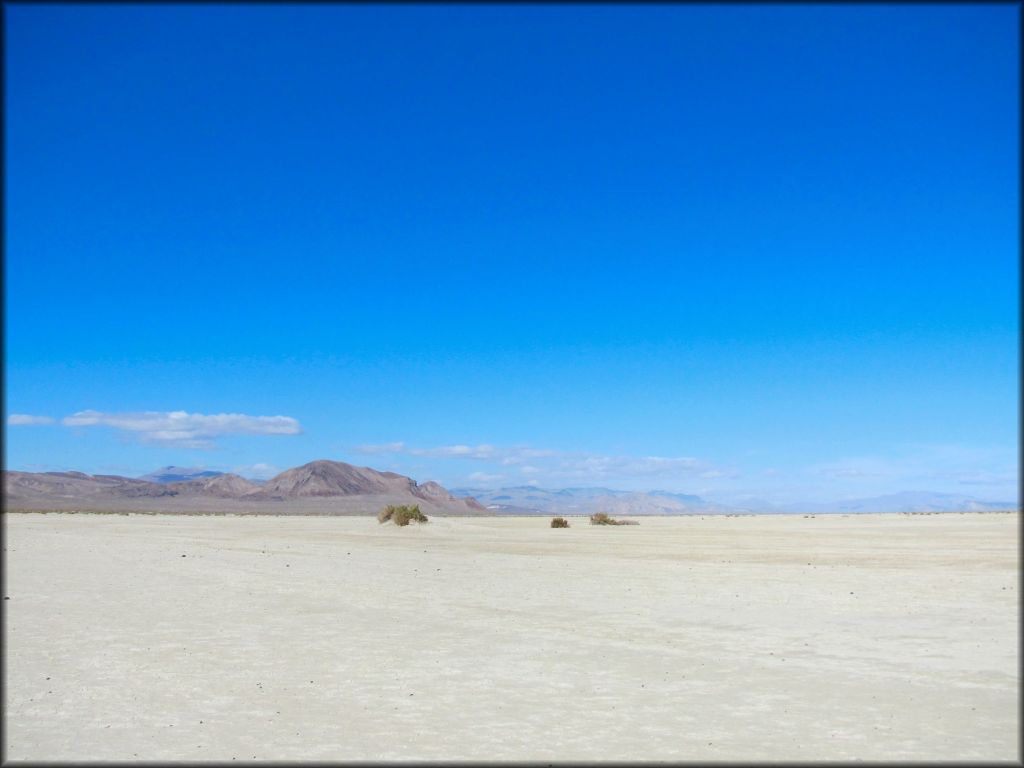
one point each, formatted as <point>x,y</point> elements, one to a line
<point>185,430</point>
<point>25,420</point>
<point>383,448</point>
<point>598,465</point>
<point>866,467</point>
<point>559,465</point>
<point>485,477</point>
<point>259,471</point>
<point>944,467</point>
<point>483,452</point>
<point>984,478</point>
<point>849,472</point>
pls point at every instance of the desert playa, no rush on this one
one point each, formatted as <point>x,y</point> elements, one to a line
<point>873,637</point>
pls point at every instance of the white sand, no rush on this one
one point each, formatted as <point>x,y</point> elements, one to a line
<point>882,637</point>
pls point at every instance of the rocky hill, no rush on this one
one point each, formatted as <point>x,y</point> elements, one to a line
<point>334,478</point>
<point>320,487</point>
<point>225,486</point>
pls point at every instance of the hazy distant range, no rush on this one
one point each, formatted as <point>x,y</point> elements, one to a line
<point>522,500</point>
<point>335,488</point>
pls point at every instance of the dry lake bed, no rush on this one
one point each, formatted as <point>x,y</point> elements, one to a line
<point>870,637</point>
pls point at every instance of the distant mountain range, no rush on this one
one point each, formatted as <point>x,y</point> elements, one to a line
<point>334,487</point>
<point>320,487</point>
<point>909,501</point>
<point>530,500</point>
<point>178,475</point>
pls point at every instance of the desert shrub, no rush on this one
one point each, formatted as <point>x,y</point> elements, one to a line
<point>401,515</point>
<point>602,518</point>
<point>559,522</point>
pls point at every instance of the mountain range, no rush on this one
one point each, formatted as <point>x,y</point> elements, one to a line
<point>319,487</point>
<point>907,501</point>
<point>179,475</point>
<point>531,500</point>
<point>334,487</point>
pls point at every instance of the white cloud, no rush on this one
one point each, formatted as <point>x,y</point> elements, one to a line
<point>382,448</point>
<point>186,430</point>
<point>713,474</point>
<point>482,452</point>
<point>984,478</point>
<point>861,467</point>
<point>24,420</point>
<point>485,477</point>
<point>521,454</point>
<point>947,468</point>
<point>848,472</point>
<point>596,466</point>
<point>259,471</point>
<point>562,465</point>
<point>507,456</point>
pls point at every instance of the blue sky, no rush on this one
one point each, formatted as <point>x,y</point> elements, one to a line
<point>730,250</point>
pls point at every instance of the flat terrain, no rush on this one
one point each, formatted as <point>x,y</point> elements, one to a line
<point>874,637</point>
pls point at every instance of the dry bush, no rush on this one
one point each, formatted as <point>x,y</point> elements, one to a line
<point>401,515</point>
<point>559,522</point>
<point>602,518</point>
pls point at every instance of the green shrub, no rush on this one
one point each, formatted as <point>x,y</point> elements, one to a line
<point>401,515</point>
<point>559,522</point>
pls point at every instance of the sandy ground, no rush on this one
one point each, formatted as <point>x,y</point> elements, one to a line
<point>875,637</point>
